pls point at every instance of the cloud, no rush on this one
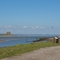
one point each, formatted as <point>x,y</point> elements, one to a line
<point>36,27</point>
<point>42,27</point>
<point>24,27</point>
<point>9,26</point>
<point>33,28</point>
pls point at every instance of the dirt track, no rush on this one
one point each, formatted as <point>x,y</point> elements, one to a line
<point>49,53</point>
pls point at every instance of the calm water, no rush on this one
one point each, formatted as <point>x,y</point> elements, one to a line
<point>13,41</point>
<point>9,41</point>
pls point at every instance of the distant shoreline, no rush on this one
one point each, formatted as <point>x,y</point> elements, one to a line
<point>2,40</point>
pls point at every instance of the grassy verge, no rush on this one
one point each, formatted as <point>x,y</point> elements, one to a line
<point>23,48</point>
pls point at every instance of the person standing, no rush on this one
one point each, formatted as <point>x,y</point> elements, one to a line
<point>59,37</point>
<point>57,40</point>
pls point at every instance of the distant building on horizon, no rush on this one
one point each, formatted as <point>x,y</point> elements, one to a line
<point>8,33</point>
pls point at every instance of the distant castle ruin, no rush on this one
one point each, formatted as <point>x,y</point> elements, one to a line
<point>8,33</point>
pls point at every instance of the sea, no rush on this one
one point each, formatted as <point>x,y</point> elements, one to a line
<point>22,39</point>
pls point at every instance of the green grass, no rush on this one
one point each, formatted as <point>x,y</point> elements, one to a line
<point>23,48</point>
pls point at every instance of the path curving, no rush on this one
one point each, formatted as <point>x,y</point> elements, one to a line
<point>49,53</point>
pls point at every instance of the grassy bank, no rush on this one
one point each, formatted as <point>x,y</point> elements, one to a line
<point>23,48</point>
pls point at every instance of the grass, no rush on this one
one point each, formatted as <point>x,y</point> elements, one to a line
<point>23,48</point>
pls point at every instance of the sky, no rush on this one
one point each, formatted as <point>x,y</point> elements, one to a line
<point>30,16</point>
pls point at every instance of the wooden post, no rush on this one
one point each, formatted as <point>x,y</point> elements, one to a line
<point>54,40</point>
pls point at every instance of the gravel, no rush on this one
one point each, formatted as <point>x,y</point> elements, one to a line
<point>49,53</point>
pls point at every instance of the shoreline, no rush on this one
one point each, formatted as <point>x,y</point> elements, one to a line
<point>2,40</point>
<point>20,49</point>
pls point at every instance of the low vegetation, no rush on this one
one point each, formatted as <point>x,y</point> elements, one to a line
<point>23,48</point>
<point>41,39</point>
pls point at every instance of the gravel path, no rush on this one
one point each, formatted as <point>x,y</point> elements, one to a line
<point>49,53</point>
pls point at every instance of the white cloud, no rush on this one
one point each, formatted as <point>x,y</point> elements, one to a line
<point>33,28</point>
<point>36,27</point>
<point>42,27</point>
<point>24,27</point>
<point>9,26</point>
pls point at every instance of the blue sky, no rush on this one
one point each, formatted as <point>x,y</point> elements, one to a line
<point>30,16</point>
